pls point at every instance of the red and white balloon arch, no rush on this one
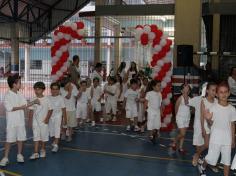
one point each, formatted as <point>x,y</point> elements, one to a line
<point>59,50</point>
<point>161,65</point>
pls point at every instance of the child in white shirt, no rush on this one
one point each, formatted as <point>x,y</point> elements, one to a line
<point>39,118</point>
<point>221,116</point>
<point>69,93</point>
<point>15,104</point>
<point>182,117</point>
<point>153,104</point>
<point>58,116</point>
<point>88,91</point>
<point>96,97</point>
<point>83,101</point>
<point>111,100</point>
<point>131,105</point>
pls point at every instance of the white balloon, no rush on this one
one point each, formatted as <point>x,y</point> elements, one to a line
<point>81,32</point>
<point>167,79</point>
<point>151,35</point>
<point>147,29</point>
<point>64,67</point>
<point>60,35</point>
<point>59,73</point>
<point>63,48</point>
<point>169,54</point>
<point>163,84</point>
<point>156,69</point>
<point>139,31</point>
<point>74,26</point>
<point>169,95</point>
<point>160,63</point>
<point>166,101</point>
<point>157,48</point>
<point>163,42</point>
<point>164,36</point>
<point>137,37</point>
<point>55,38</point>
<point>169,73</point>
<point>67,24</point>
<point>58,53</point>
<point>67,36</point>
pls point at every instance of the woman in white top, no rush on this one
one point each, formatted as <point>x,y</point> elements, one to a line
<point>182,116</point>
<point>97,73</point>
<point>132,70</point>
<point>121,70</point>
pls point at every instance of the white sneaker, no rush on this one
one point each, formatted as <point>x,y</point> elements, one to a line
<point>128,128</point>
<point>136,129</point>
<point>55,148</point>
<point>4,162</point>
<point>34,156</point>
<point>42,154</point>
<point>93,123</point>
<point>20,158</point>
<point>114,119</point>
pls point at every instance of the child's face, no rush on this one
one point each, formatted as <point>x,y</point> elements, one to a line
<point>211,91</point>
<point>223,93</point>
<point>111,82</point>
<point>95,83</point>
<point>17,85</point>
<point>186,89</point>
<point>83,87</point>
<point>145,82</point>
<point>38,92</point>
<point>55,91</point>
<point>157,87</point>
<point>134,86</point>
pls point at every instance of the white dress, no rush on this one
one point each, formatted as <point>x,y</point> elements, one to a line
<point>183,115</point>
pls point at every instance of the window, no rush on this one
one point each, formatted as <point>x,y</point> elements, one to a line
<point>36,64</point>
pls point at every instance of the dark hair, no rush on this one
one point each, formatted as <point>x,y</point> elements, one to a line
<point>223,84</point>
<point>183,85</point>
<point>83,82</point>
<point>13,79</point>
<point>231,71</point>
<point>210,84</point>
<point>98,65</point>
<point>39,85</point>
<point>152,84</point>
<point>55,84</point>
<point>75,58</point>
<point>65,81</point>
<point>96,79</point>
<point>133,69</point>
<point>121,67</point>
<point>113,79</point>
<point>133,81</point>
<point>119,79</point>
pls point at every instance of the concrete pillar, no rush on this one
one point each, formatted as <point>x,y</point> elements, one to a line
<point>14,48</point>
<point>27,62</point>
<point>188,15</point>
<point>108,61</point>
<point>117,46</point>
<point>98,47</point>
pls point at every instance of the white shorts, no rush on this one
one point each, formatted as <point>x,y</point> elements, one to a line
<point>111,106</point>
<point>55,127</point>
<point>214,152</point>
<point>96,106</point>
<point>182,122</point>
<point>41,132</point>
<point>198,140</point>
<point>14,134</point>
<point>82,111</point>
<point>71,119</point>
<point>131,112</point>
<point>153,120</point>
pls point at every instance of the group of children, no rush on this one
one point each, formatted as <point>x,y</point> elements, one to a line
<point>70,106</point>
<point>213,127</point>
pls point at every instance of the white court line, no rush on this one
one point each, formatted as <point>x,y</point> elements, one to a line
<point>124,134</point>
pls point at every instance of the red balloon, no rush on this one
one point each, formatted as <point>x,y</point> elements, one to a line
<point>144,39</point>
<point>80,25</point>
<point>154,28</point>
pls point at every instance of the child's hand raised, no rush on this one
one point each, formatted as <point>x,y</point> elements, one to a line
<point>208,115</point>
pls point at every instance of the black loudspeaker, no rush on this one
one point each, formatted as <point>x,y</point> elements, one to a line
<point>185,55</point>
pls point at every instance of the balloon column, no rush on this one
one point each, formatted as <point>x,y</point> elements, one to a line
<point>59,50</point>
<point>161,65</point>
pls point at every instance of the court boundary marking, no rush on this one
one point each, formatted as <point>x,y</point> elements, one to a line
<point>10,172</point>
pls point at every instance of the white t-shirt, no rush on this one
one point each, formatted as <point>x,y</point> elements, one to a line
<point>97,93</point>
<point>232,85</point>
<point>11,100</point>
<point>88,91</point>
<point>112,89</point>
<point>70,103</point>
<point>131,96</point>
<point>41,111</point>
<point>221,127</point>
<point>122,73</point>
<point>154,101</point>
<point>57,103</point>
<point>196,103</point>
<point>183,111</point>
<point>84,98</point>
<point>95,74</point>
